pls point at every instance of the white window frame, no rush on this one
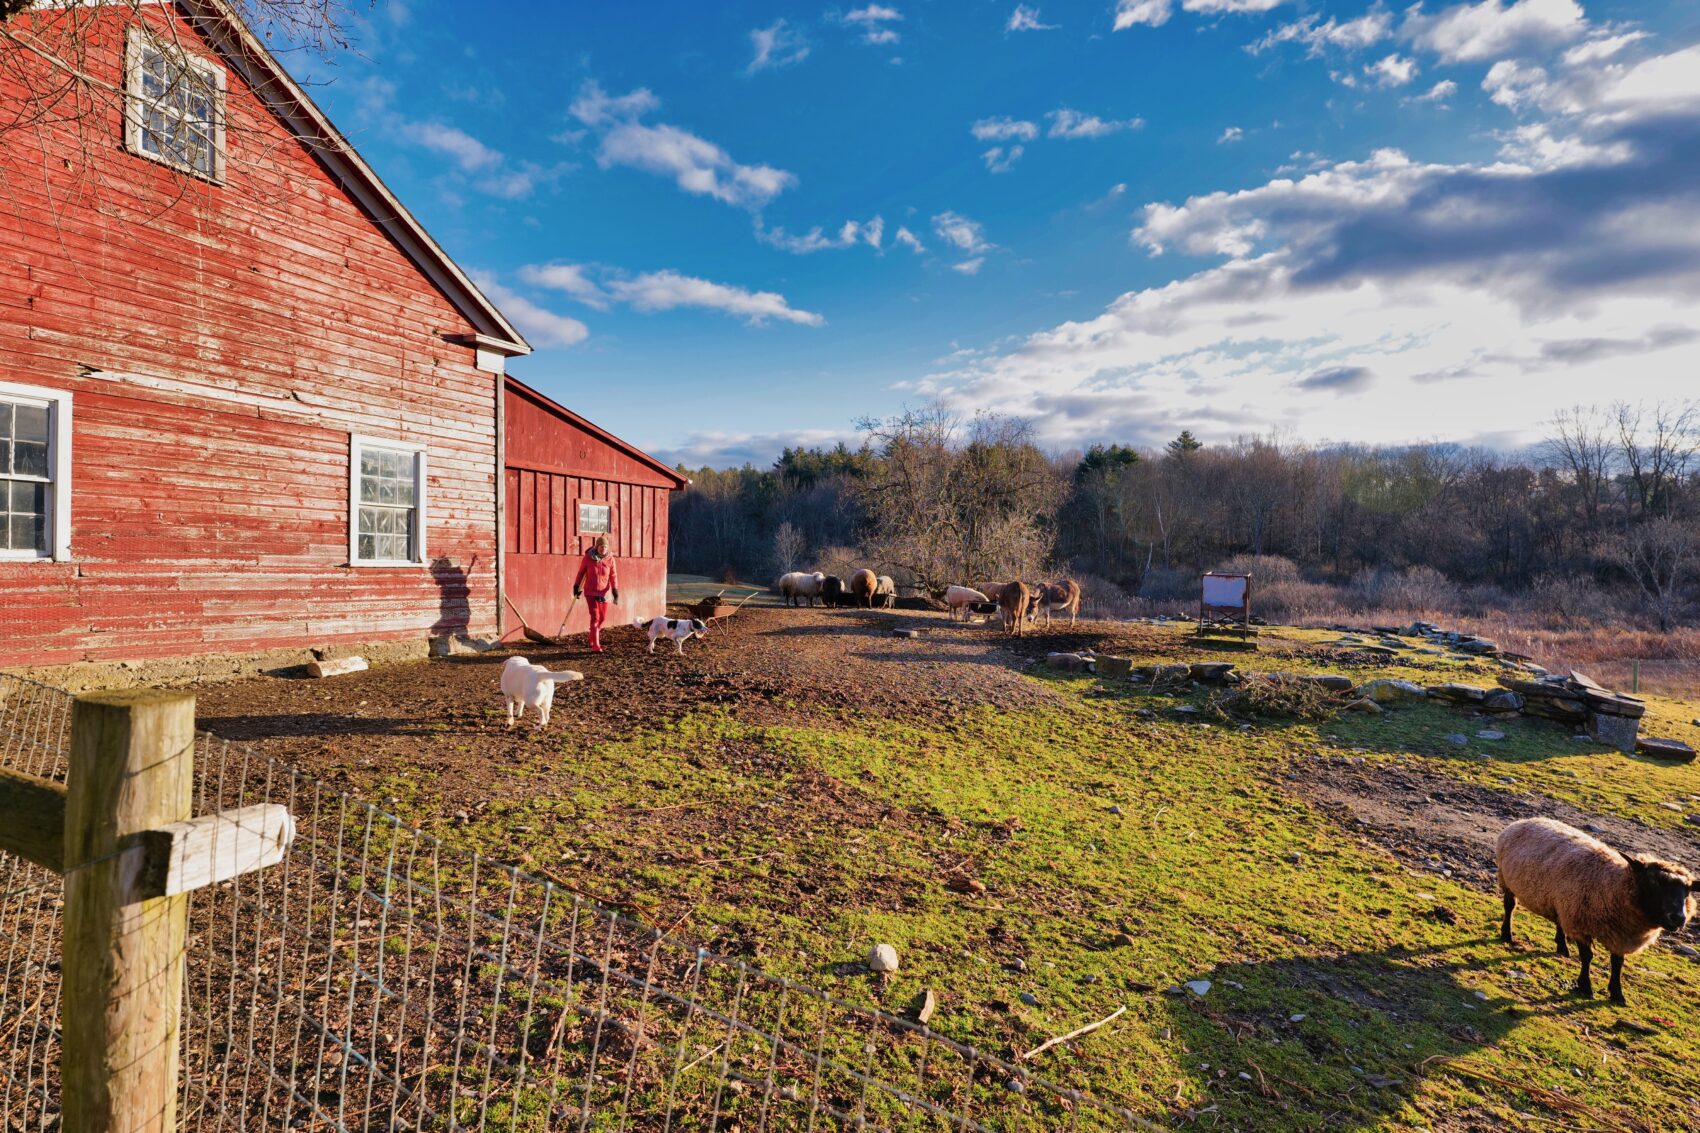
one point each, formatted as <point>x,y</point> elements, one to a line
<point>356,444</point>
<point>58,404</point>
<point>140,39</point>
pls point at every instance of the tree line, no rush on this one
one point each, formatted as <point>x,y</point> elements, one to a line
<point>1608,506</point>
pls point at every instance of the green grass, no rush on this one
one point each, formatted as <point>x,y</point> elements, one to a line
<point>800,846</point>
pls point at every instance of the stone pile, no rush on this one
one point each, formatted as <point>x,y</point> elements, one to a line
<point>1611,717</point>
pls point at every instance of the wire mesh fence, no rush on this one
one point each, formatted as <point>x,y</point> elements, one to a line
<point>379,979</point>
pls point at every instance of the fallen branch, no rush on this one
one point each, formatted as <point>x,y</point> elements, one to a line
<point>1549,1098</point>
<point>1048,1044</point>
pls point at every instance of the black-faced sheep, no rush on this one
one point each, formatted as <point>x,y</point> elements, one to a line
<point>863,585</point>
<point>1013,599</point>
<point>1063,596</point>
<point>885,592</point>
<point>1594,894</point>
<point>799,584</point>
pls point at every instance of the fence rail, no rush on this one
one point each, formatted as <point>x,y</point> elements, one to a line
<point>379,979</point>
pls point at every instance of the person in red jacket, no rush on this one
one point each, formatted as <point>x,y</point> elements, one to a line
<point>597,581</point>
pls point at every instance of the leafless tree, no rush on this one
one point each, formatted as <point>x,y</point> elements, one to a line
<point>1581,445</point>
<point>788,546</point>
<point>1657,448</point>
<point>1660,556</point>
<point>956,502</point>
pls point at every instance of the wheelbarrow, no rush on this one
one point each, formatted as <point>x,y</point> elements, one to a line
<point>713,609</point>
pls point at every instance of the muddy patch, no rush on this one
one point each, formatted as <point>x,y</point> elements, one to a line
<point>1440,825</point>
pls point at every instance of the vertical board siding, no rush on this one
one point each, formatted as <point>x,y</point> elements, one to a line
<point>221,343</point>
<point>569,464</point>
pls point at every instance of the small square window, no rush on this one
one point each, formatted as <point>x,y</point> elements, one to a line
<point>595,519</point>
<point>175,107</point>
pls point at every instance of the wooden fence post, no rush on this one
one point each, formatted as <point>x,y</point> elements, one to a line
<point>131,771</point>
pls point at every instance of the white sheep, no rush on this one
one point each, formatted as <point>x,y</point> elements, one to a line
<point>1591,892</point>
<point>885,592</point>
<point>800,584</point>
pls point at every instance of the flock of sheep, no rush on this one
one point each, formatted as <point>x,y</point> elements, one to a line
<point>865,589</point>
<point>1016,602</point>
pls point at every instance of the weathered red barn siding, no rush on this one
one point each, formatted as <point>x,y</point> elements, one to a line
<point>552,460</point>
<point>221,343</point>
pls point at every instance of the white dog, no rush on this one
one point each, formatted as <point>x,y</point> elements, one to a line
<point>680,630</point>
<point>524,683</point>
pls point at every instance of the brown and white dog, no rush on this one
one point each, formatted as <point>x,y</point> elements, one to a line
<point>680,630</point>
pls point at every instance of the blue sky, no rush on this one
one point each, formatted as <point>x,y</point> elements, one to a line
<point>733,226</point>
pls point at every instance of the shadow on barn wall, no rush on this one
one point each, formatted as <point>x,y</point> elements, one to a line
<point>454,597</point>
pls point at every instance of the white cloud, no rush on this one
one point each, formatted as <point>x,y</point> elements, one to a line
<point>1066,123</point>
<point>568,278</point>
<point>1003,130</point>
<point>1216,7</point>
<point>969,267</point>
<point>1493,29</point>
<point>670,290</point>
<point>717,449</point>
<point>472,155</point>
<point>1365,31</point>
<point>849,234</point>
<point>873,20</point>
<point>1542,278</point>
<point>696,165</point>
<point>1132,13</point>
<point>909,240</point>
<point>1439,92</point>
<point>1231,134</point>
<point>1605,47</point>
<point>650,291</point>
<point>1155,13</point>
<point>779,45</point>
<point>517,184</point>
<point>541,326</point>
<point>1392,71</point>
<point>1027,19</point>
<point>998,161</point>
<point>960,232</point>
<point>594,107</point>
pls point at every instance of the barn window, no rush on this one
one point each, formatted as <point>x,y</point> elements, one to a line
<point>386,502</point>
<point>35,473</point>
<point>595,519</point>
<point>175,106</point>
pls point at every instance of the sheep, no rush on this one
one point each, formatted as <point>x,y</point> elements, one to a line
<point>1013,598</point>
<point>798,584</point>
<point>1591,892</point>
<point>1064,595</point>
<point>885,592</point>
<point>833,591</point>
<point>957,599</point>
<point>863,585</point>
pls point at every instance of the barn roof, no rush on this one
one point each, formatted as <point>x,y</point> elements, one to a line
<point>226,32</point>
<point>597,431</point>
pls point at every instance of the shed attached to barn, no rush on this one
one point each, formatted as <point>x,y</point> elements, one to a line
<point>566,481</point>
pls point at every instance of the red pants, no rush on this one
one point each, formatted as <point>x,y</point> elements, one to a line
<point>596,605</point>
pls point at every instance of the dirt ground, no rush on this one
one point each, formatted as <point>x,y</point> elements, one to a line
<point>1435,822</point>
<point>444,718</point>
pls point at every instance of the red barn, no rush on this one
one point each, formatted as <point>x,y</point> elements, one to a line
<point>246,402</point>
<point>568,482</point>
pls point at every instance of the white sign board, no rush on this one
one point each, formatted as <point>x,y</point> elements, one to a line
<point>1225,590</point>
